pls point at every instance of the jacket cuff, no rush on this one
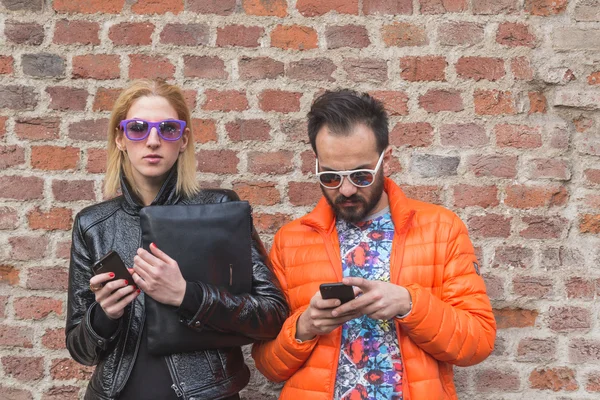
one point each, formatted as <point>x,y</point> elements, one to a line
<point>192,300</point>
<point>95,315</point>
<point>289,334</point>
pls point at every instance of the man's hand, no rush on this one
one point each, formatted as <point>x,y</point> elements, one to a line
<point>379,300</point>
<point>318,320</point>
<point>159,276</point>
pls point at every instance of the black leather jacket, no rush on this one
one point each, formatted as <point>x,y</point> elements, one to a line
<point>209,374</point>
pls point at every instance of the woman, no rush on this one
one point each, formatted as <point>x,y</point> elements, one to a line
<point>151,158</point>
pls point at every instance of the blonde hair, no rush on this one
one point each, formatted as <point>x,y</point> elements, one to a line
<point>118,161</point>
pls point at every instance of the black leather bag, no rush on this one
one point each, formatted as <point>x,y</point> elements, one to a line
<point>212,244</point>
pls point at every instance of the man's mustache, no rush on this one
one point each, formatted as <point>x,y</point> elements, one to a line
<point>354,198</point>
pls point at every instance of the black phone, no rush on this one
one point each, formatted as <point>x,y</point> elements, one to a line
<point>112,263</point>
<point>337,291</point>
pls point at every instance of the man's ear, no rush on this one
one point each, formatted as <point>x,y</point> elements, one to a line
<point>387,159</point>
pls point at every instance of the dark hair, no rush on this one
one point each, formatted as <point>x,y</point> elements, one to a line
<point>342,109</point>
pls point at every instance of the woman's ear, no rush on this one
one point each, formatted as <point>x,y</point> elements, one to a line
<point>387,158</point>
<point>184,140</point>
<point>120,140</point>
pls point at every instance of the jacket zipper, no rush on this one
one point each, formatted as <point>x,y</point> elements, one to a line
<point>178,390</point>
<point>135,352</point>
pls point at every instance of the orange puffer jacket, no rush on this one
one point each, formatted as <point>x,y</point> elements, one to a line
<point>451,322</point>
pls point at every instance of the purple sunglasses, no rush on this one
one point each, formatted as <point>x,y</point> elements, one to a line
<point>139,129</point>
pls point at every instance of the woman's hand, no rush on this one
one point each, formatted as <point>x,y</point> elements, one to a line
<point>113,296</point>
<point>159,276</point>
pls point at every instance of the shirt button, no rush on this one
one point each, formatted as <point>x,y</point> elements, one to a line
<point>197,323</point>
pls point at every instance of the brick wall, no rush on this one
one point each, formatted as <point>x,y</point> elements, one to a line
<point>494,114</point>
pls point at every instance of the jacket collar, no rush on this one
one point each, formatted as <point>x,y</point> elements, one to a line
<point>322,217</point>
<point>167,195</point>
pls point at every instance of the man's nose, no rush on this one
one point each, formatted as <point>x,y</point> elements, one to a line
<point>347,189</point>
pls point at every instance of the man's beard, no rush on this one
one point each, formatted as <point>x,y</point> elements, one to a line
<point>363,206</point>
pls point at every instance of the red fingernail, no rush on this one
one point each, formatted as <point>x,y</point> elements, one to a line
<point>111,275</point>
<point>139,291</point>
<point>126,283</point>
<point>152,244</point>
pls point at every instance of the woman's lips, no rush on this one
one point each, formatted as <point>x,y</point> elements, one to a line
<point>153,158</point>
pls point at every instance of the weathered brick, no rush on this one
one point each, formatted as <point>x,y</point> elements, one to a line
<point>434,166</point>
<point>206,67</point>
<point>545,7</point>
<point>239,36</point>
<point>537,103</point>
<point>53,158</point>
<point>143,66</point>
<point>219,7</point>
<point>493,7</point>
<point>96,66</point>
<point>204,130</point>
<point>96,161</point>
<point>490,225</point>
<point>587,10</point>
<point>561,257</point>
<point>593,382</point>
<point>131,33</point>
<point>494,380</point>
<point>270,162</point>
<point>437,100</point>
<point>531,286</point>
<point>63,249</point>
<point>276,8</point>
<point>480,196</point>
<point>494,102</point>
<point>9,275</point>
<point>16,336</point>
<point>366,69</point>
<point>387,7</point>
<point>17,97</point>
<point>37,128</point>
<point>578,99</point>
<point>521,68</point>
<point>494,286</point>
<point>518,136</point>
<point>442,6</point>
<point>54,278</point>
<point>426,193</point>
<point>76,32</point>
<point>88,7</point>
<point>36,308</point>
<point>412,134</point>
<point>185,34</point>
<point>21,187</point>
<point>541,227</point>
<point>279,101</point>
<point>313,8</point>
<point>258,193</point>
<point>23,368</point>
<point>303,193</point>
<point>65,98</point>
<point>549,168</point>
<point>537,350</point>
<point>157,6</point>
<point>24,33</point>
<point>355,36</point>
<point>8,218</point>
<point>54,339</point>
<point>6,65</point>
<point>515,317</point>
<point>217,161</point>
<point>460,33</point>
<point>478,68</point>
<point>580,288</point>
<point>89,130</point>
<point>294,37</point>
<point>43,65</point>
<point>62,393</point>
<point>555,379</point>
<point>500,166</point>
<point>592,176</point>
<point>12,393</point>
<point>312,69</point>
<point>514,34</point>
<point>226,100</point>
<point>54,219</point>
<point>295,130</point>
<point>426,68</point>
<point>403,34</point>
<point>248,129</point>
<point>576,39</point>
<point>260,68</point>
<point>395,102</point>
<point>270,223</point>
<point>105,99</point>
<point>463,135</point>
<point>589,223</point>
<point>67,190</point>
<point>11,156</point>
<point>67,368</point>
<point>511,257</point>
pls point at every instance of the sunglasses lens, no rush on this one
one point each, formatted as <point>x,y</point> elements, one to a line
<point>136,130</point>
<point>330,180</point>
<point>170,130</point>
<point>361,178</point>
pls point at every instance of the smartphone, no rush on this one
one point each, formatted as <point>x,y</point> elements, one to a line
<point>339,291</point>
<point>113,263</point>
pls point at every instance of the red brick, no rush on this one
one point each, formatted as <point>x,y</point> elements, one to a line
<point>37,128</point>
<point>205,130</point>
<point>463,135</point>
<point>521,196</point>
<point>64,190</point>
<point>143,66</point>
<point>6,65</point>
<point>518,136</point>
<point>479,68</point>
<point>313,8</point>
<point>21,187</point>
<point>494,102</point>
<point>260,68</point>
<point>538,350</point>
<point>89,130</point>
<point>131,33</point>
<point>541,227</point>
<point>17,97</point>
<point>62,393</point>
<point>270,223</point>
<point>105,99</point>
<point>500,166</point>
<point>592,176</point>
<point>307,159</point>
<point>24,368</point>
<point>312,69</point>
<point>65,98</point>
<point>88,6</point>
<point>494,286</point>
<point>47,278</point>
<point>294,37</point>
<point>436,100</point>
<point>54,219</point>
<point>531,286</point>
<point>459,33</point>
<point>11,393</point>
<point>226,100</point>
<point>545,7</point>
<point>3,302</point>
<point>427,68</point>
<point>304,193</point>
<point>2,126</point>
<point>593,382</point>
<point>366,69</point>
<point>67,368</point>
<point>442,6</point>
<point>258,193</point>
<point>537,103</point>
<point>54,339</point>
<point>239,35</point>
<point>594,78</point>
<point>217,161</point>
<point>206,67</point>
<point>96,66</point>
<point>190,98</point>
<point>553,258</point>
<point>11,156</point>
<point>277,162</point>
<point>589,223</point>
<point>248,129</point>
<point>8,218</point>
<point>63,249</point>
<point>389,7</point>
<point>25,248</point>
<point>96,161</point>
<point>395,102</point>
<point>493,7</point>
<point>580,288</point>
<point>510,257</point>
<point>480,196</point>
<point>355,36</point>
<point>157,6</point>
<point>76,32</point>
<point>583,123</point>
<point>16,336</point>
<point>9,274</point>
<point>490,225</point>
<point>53,158</point>
<point>412,134</point>
<point>277,8</point>
<point>219,7</point>
<point>515,317</point>
<point>295,130</point>
<point>549,168</point>
<point>592,200</point>
<point>279,101</point>
<point>494,380</point>
<point>27,33</point>
<point>402,34</point>
<point>36,308</point>
<point>555,379</point>
<point>514,34</point>
<point>185,34</point>
<point>426,193</point>
<point>521,68</point>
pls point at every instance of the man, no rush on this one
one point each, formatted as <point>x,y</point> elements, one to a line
<point>421,306</point>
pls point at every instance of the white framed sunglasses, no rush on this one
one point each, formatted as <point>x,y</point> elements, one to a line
<point>359,177</point>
